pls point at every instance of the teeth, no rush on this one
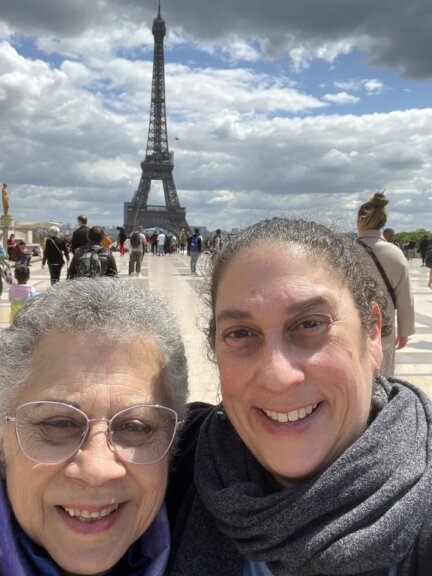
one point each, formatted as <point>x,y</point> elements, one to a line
<point>293,416</point>
<point>87,516</point>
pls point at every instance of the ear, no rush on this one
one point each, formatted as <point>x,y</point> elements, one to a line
<point>375,349</point>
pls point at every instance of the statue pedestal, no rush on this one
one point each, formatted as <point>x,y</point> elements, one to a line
<point>7,227</point>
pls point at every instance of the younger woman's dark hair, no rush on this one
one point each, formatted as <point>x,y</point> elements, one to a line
<point>22,273</point>
<point>337,253</point>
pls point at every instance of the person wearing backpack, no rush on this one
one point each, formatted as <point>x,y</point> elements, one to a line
<point>194,249</point>
<point>137,242</point>
<point>92,260</point>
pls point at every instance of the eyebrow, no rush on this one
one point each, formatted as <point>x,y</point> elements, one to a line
<point>309,305</point>
<point>68,402</point>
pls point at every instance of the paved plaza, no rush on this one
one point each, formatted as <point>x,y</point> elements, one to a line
<point>170,276</point>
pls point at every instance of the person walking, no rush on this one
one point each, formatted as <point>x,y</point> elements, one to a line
<point>55,247</point>
<point>183,241</point>
<point>161,243</point>
<point>194,249</point>
<point>79,236</point>
<point>217,241</point>
<point>423,247</point>
<point>392,272</point>
<point>136,250</point>
<point>154,243</point>
<point>121,239</point>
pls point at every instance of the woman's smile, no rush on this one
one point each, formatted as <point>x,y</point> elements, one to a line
<point>296,373</point>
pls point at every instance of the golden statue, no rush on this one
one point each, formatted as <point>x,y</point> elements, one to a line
<point>5,200</point>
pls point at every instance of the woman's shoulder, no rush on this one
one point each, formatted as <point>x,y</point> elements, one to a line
<point>390,254</point>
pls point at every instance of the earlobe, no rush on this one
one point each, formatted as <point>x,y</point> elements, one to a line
<point>375,338</point>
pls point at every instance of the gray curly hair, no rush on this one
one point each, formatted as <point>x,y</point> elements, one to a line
<point>107,307</point>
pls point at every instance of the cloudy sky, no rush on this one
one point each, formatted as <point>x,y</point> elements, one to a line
<point>274,107</point>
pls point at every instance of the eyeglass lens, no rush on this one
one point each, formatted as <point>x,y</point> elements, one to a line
<point>51,431</point>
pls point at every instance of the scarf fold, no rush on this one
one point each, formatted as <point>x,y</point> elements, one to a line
<point>366,512</point>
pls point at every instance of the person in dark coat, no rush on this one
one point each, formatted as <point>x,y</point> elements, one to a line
<point>79,236</point>
<point>54,250</point>
<point>423,247</point>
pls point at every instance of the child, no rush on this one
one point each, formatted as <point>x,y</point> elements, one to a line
<point>21,293</point>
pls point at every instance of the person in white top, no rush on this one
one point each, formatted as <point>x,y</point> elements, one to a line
<point>161,243</point>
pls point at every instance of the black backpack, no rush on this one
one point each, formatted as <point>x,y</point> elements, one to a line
<point>93,261</point>
<point>135,240</point>
<point>194,245</point>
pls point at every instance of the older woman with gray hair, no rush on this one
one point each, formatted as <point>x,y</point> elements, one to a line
<point>53,252</point>
<point>90,398</point>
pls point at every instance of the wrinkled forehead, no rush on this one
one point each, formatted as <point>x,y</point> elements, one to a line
<point>67,364</point>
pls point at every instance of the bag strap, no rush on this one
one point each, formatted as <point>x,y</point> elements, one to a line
<point>381,270</point>
<point>55,244</point>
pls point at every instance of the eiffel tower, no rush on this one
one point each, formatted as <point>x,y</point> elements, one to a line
<point>159,161</point>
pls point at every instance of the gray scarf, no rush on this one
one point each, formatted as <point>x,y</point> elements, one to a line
<point>370,510</point>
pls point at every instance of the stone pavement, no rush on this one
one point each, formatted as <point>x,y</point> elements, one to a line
<point>170,276</point>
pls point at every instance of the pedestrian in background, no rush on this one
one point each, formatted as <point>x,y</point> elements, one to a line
<point>161,243</point>
<point>194,249</point>
<point>79,236</point>
<point>11,245</point>
<point>20,292</point>
<point>423,247</point>
<point>54,250</point>
<point>136,244</point>
<point>21,254</point>
<point>392,272</point>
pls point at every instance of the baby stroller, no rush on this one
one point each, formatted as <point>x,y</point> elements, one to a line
<point>5,273</point>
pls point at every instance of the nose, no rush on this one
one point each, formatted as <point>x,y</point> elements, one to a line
<point>96,462</point>
<point>280,368</point>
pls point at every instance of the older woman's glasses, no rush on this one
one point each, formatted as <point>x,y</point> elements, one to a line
<point>51,432</point>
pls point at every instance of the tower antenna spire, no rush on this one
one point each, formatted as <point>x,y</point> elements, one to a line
<point>159,12</point>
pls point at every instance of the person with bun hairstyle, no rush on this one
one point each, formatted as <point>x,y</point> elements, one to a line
<point>392,272</point>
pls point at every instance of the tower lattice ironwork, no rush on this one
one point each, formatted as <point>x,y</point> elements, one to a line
<point>159,161</point>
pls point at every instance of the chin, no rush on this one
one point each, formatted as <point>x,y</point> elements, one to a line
<point>87,564</point>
